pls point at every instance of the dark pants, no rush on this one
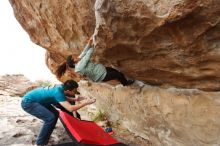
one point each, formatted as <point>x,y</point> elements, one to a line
<point>46,113</point>
<point>113,74</point>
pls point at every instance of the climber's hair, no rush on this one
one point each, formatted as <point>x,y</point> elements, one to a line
<point>70,62</point>
<point>62,67</point>
<point>61,70</point>
<point>70,85</point>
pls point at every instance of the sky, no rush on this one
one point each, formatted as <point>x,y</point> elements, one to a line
<point>18,54</point>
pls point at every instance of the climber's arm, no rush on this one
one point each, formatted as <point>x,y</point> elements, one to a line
<point>86,49</point>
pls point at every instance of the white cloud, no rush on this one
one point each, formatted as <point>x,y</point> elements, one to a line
<point>18,55</point>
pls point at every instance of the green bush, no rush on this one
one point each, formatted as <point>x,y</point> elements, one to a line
<point>100,116</point>
<point>44,83</point>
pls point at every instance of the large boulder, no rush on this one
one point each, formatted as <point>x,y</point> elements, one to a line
<point>172,42</point>
<point>169,44</point>
<point>162,117</point>
<point>15,85</point>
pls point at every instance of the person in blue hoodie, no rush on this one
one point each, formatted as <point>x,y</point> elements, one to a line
<point>39,103</point>
<point>94,71</point>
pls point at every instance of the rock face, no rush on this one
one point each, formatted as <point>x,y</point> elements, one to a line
<point>14,85</point>
<point>163,117</point>
<point>161,42</point>
<point>173,43</point>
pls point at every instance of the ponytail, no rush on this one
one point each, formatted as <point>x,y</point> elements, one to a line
<point>61,69</point>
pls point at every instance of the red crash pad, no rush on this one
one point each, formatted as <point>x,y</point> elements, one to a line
<point>86,132</point>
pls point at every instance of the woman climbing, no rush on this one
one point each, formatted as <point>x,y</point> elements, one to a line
<point>94,71</point>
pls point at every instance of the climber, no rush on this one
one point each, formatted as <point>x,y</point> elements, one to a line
<point>94,71</point>
<point>38,102</point>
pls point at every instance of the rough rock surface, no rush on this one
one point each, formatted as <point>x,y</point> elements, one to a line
<point>162,117</point>
<point>173,42</point>
<point>14,85</point>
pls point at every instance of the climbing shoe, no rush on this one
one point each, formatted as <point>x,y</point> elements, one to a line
<point>129,82</point>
